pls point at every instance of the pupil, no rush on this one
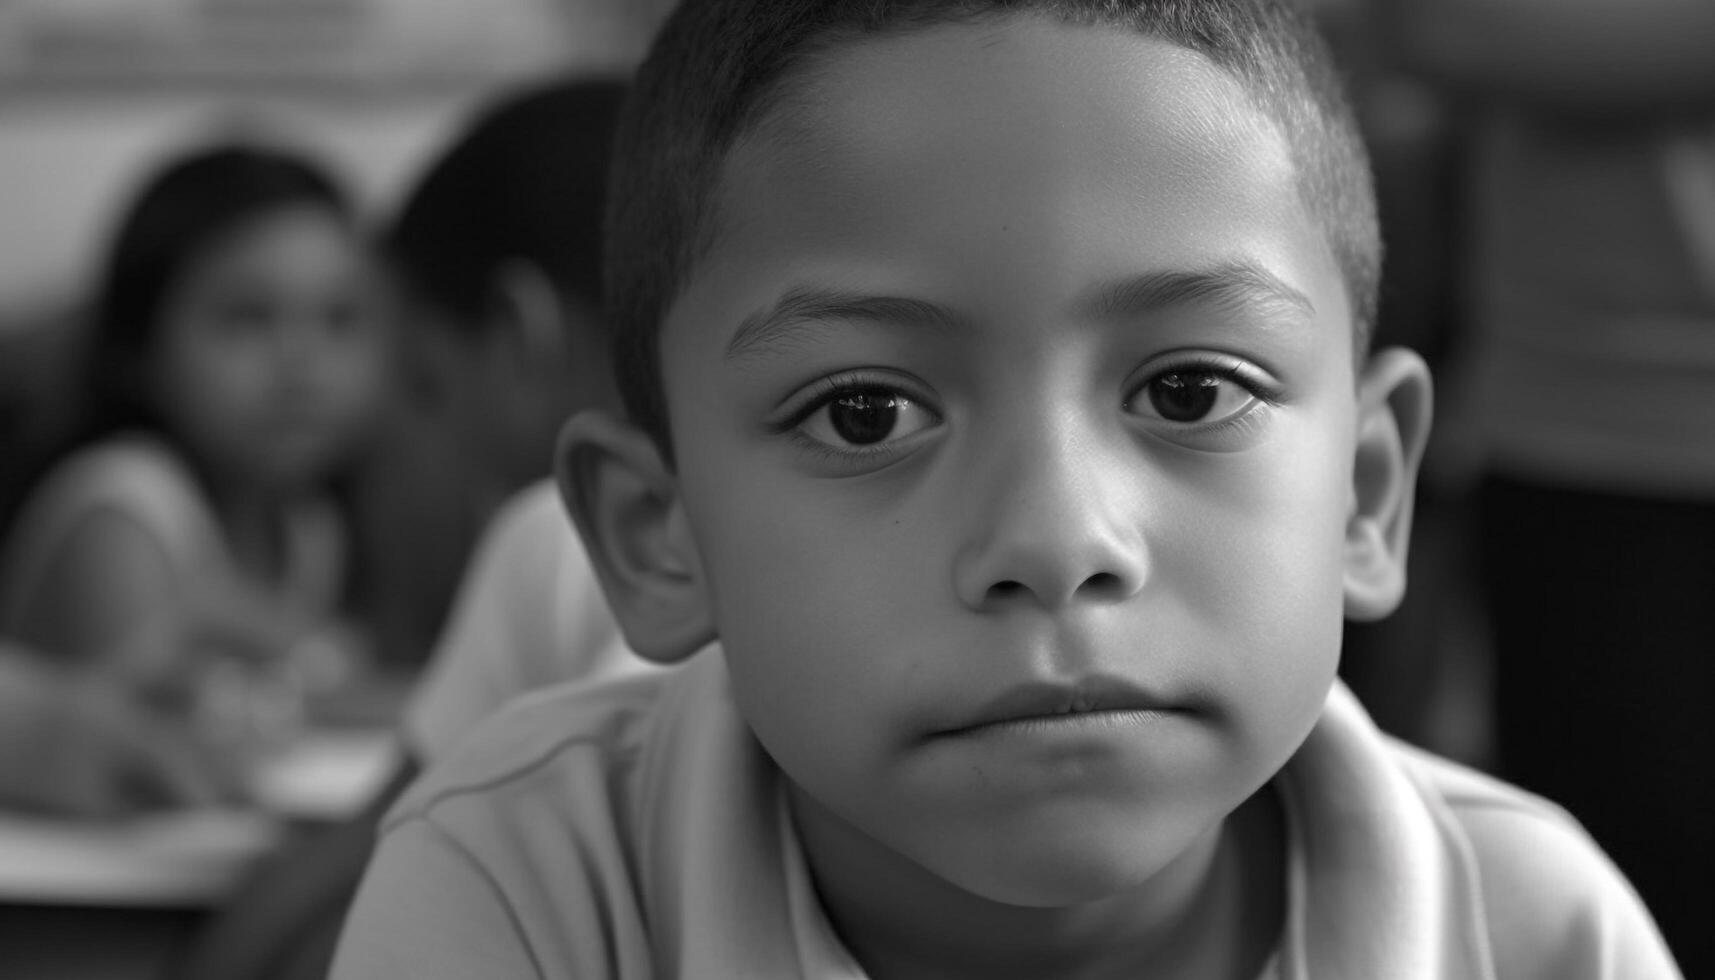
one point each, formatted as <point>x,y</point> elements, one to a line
<point>863,418</point>
<point>1184,397</point>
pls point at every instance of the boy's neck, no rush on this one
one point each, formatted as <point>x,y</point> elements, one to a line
<point>1216,913</point>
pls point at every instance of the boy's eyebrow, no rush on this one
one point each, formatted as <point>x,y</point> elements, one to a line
<point>806,305</point>
<point>1237,285</point>
<point>1232,285</point>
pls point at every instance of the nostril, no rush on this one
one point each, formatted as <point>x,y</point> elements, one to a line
<point>1006,589</point>
<point>1103,583</point>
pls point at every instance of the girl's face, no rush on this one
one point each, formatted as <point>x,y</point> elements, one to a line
<point>269,356</point>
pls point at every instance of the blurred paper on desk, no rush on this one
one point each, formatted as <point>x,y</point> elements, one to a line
<point>326,775</point>
<point>181,859</point>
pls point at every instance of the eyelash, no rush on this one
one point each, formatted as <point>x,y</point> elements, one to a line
<point>1221,367</point>
<point>824,391</point>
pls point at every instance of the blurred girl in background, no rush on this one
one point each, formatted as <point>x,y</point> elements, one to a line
<point>183,547</point>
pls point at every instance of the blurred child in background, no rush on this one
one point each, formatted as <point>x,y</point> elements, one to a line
<point>182,546</point>
<point>497,254</point>
<point>500,248</point>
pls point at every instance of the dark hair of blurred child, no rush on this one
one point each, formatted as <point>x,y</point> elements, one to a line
<point>182,541</point>
<point>499,252</point>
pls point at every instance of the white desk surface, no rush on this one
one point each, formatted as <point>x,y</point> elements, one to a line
<point>192,858</point>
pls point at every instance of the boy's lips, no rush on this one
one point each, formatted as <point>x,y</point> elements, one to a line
<point>1048,701</point>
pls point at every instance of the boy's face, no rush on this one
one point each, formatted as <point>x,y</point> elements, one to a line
<point>1014,412</point>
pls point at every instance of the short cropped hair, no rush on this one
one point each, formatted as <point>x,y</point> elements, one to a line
<point>719,66</point>
<point>527,180</point>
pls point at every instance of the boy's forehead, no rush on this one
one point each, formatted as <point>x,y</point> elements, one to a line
<point>1020,94</point>
<point>1013,77</point>
<point>900,153</point>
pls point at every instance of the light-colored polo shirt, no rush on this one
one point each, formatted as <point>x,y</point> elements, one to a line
<point>529,614</point>
<point>633,829</point>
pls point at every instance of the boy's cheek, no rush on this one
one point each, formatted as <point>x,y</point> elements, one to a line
<point>1258,558</point>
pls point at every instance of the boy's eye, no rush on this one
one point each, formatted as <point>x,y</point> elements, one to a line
<point>1192,395</point>
<point>866,416</point>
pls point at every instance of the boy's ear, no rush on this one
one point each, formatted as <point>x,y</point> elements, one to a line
<point>1394,407</point>
<point>626,505</point>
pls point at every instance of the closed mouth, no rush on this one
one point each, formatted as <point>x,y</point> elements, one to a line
<point>1043,705</point>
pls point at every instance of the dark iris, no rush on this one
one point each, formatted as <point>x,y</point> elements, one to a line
<point>1184,396</point>
<point>864,417</point>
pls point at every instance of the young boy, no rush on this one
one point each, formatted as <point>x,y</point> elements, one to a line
<point>999,405</point>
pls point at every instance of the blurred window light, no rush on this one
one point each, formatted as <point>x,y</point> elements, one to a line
<point>342,43</point>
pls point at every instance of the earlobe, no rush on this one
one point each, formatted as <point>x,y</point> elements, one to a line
<point>626,505</point>
<point>527,306</point>
<point>1394,410</point>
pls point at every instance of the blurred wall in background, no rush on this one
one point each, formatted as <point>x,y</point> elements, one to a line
<point>93,92</point>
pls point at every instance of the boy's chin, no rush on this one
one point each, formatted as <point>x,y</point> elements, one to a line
<point>1066,867</point>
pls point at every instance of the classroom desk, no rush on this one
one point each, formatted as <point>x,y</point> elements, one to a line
<point>119,901</point>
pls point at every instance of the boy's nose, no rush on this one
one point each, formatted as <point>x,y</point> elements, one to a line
<point>1057,526</point>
